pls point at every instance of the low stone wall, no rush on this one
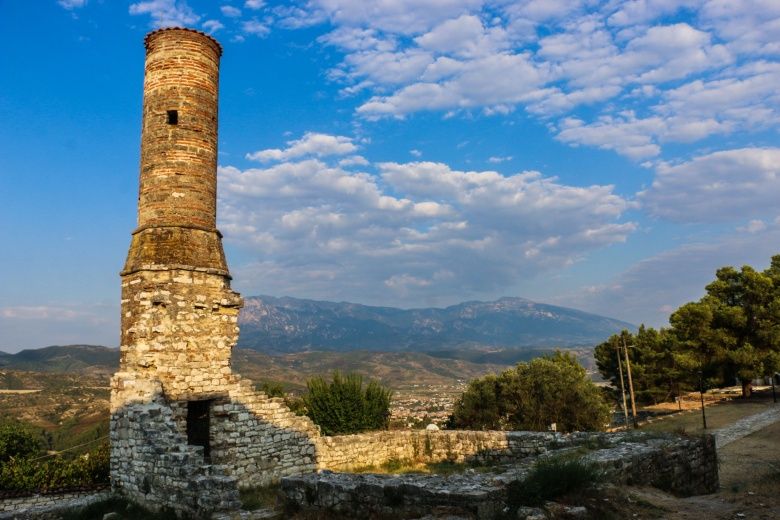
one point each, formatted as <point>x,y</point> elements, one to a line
<point>682,465</point>
<point>44,507</point>
<point>350,452</point>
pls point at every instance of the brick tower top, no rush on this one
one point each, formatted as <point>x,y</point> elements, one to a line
<point>177,197</point>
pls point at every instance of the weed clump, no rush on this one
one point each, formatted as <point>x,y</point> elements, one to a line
<point>551,478</point>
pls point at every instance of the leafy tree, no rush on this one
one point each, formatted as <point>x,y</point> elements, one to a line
<point>531,396</point>
<point>734,330</point>
<point>660,369</point>
<point>345,406</point>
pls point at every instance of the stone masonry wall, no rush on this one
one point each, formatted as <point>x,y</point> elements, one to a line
<point>179,161</point>
<point>179,326</point>
<point>683,465</point>
<point>350,452</point>
<point>49,506</point>
<point>151,462</point>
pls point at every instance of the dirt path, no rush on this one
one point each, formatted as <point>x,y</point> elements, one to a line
<point>746,426</point>
<point>749,453</point>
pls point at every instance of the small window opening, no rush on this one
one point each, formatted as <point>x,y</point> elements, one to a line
<point>198,425</point>
<point>173,117</point>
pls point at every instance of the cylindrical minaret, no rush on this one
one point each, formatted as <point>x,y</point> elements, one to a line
<point>178,181</point>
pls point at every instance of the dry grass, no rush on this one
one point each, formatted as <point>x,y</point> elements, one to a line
<point>404,466</point>
<point>719,415</point>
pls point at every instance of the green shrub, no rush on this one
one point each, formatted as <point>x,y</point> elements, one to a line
<point>36,475</point>
<point>345,406</point>
<point>551,478</point>
<point>17,441</point>
<point>259,497</point>
<point>272,389</point>
<point>296,405</point>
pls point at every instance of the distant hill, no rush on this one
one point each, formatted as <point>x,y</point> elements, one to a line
<point>77,359</point>
<point>36,368</point>
<point>293,325</point>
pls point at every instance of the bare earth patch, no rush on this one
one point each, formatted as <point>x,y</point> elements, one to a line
<point>749,476</point>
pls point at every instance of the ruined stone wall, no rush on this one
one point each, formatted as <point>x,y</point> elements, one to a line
<point>683,465</point>
<point>350,452</point>
<point>48,506</point>
<point>156,467</point>
<point>259,439</point>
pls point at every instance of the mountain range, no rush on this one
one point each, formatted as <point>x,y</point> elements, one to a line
<point>283,325</point>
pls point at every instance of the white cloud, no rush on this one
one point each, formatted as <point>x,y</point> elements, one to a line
<point>625,134</point>
<point>418,230</point>
<point>311,144</point>
<point>415,153</point>
<point>724,185</point>
<point>72,4</point>
<point>752,227</point>
<point>255,27</point>
<point>230,11</point>
<point>651,71</point>
<point>392,67</point>
<point>166,13</point>
<point>499,159</point>
<point>40,312</point>
<point>353,160</point>
<point>749,26</point>
<point>464,37</point>
<point>537,11</point>
<point>513,79</point>
<point>634,12</point>
<point>254,4</point>
<point>400,16</point>
<point>358,39</point>
<point>651,289</point>
<point>34,326</point>
<point>213,26</point>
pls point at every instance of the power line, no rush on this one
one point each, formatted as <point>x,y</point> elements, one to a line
<point>104,437</point>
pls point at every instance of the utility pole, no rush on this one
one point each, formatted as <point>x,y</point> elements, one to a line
<point>622,385</point>
<point>630,382</point>
<point>701,395</point>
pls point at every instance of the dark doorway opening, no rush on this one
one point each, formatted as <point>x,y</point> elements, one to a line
<point>198,425</point>
<point>173,117</point>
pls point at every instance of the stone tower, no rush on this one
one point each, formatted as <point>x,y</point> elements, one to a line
<point>178,311</point>
<point>185,430</point>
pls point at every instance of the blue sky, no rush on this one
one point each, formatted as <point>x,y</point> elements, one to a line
<point>602,155</point>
